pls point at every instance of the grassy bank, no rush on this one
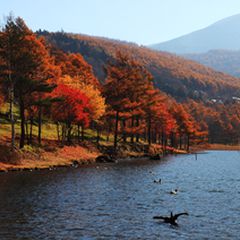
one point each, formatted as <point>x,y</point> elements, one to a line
<point>45,158</point>
<point>51,154</point>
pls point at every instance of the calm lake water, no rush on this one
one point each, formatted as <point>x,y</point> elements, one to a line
<point>118,201</point>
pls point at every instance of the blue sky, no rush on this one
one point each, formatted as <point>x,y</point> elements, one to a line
<point>141,21</point>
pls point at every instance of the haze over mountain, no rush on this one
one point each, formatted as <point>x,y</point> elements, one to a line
<point>227,61</point>
<point>224,34</point>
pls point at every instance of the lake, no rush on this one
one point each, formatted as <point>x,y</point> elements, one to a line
<point>118,201</point>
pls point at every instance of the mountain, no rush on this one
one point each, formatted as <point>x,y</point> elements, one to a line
<point>224,34</point>
<point>172,74</point>
<point>221,60</point>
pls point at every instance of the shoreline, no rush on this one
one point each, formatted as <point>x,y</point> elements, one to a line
<point>214,147</point>
<point>31,159</point>
<point>77,156</point>
<point>224,147</point>
<point>38,159</point>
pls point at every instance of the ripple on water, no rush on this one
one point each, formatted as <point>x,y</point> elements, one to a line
<point>120,201</point>
<point>216,191</point>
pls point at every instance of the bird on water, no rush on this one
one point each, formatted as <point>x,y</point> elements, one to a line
<point>158,180</point>
<point>172,219</point>
<point>174,192</point>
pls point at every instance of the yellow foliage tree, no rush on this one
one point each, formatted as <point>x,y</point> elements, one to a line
<point>97,101</point>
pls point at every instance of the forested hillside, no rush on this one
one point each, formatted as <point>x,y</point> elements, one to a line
<point>172,74</point>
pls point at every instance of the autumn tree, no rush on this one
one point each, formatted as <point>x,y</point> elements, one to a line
<point>159,120</point>
<point>26,63</point>
<point>127,82</point>
<point>73,108</point>
<point>9,38</point>
<point>96,99</point>
<point>74,65</point>
<point>186,125</point>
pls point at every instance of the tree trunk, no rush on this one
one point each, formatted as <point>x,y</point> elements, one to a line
<point>163,141</point>
<point>108,136</point>
<point>109,131</point>
<point>124,133</point>
<point>69,130</point>
<point>132,134</point>
<point>58,132</point>
<point>137,124</point>
<point>149,130</point>
<point>172,139</point>
<point>11,98</point>
<point>180,141</point>
<point>78,132</point>
<point>22,116</point>
<point>40,125</point>
<point>188,142</point>
<point>63,133</point>
<point>82,132</point>
<point>31,130</point>
<point>145,135</point>
<point>116,130</point>
<point>162,138</point>
<point>154,134</point>
<point>98,135</point>
<point>27,133</point>
<point>165,145</point>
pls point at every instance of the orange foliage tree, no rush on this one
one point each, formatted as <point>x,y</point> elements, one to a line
<point>126,85</point>
<point>27,64</point>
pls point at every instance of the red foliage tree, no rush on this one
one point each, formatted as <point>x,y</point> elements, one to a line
<point>73,107</point>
